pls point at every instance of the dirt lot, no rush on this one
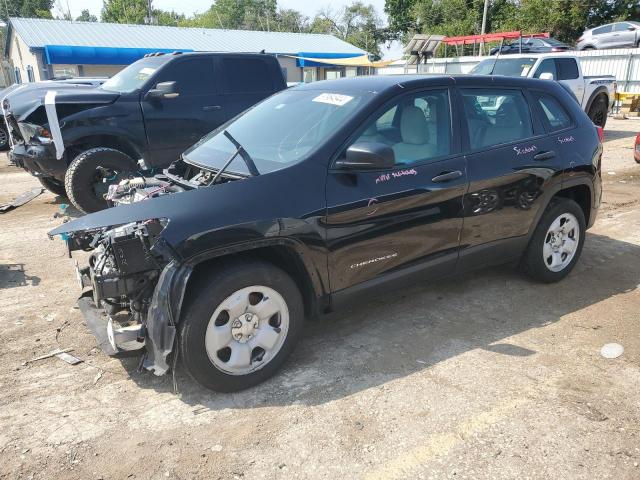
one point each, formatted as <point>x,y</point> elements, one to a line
<point>484,376</point>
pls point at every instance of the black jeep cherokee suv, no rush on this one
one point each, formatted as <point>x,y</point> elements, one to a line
<point>80,140</point>
<point>324,191</point>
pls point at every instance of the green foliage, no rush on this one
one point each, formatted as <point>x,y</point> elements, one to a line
<point>25,8</point>
<point>563,19</point>
<point>85,16</point>
<point>124,11</point>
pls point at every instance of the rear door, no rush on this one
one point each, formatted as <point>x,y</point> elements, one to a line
<point>173,124</point>
<point>245,80</point>
<point>510,162</point>
<point>569,74</point>
<point>408,217</point>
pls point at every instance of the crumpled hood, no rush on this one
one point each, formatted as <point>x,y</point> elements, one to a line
<point>26,98</point>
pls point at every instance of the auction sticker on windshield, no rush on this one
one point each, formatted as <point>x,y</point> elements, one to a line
<point>333,99</point>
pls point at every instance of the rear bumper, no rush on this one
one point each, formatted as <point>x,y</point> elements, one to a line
<point>38,160</point>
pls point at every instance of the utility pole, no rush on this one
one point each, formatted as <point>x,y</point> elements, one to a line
<point>150,19</point>
<point>484,25</point>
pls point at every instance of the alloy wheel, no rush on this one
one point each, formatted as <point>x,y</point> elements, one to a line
<point>561,242</point>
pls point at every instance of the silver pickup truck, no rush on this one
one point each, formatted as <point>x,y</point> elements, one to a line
<point>595,94</point>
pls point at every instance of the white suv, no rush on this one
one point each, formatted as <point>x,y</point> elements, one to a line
<point>613,35</point>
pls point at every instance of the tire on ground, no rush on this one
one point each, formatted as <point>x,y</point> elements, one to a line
<point>206,293</point>
<point>81,174</point>
<point>598,110</point>
<point>4,139</point>
<point>53,185</point>
<point>533,263</point>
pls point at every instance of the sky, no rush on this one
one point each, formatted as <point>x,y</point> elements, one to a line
<point>188,7</point>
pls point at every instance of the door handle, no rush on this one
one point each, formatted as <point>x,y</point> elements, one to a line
<point>447,176</point>
<point>211,108</point>
<point>542,156</point>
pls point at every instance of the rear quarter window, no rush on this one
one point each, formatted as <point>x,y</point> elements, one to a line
<point>554,115</point>
<point>247,75</point>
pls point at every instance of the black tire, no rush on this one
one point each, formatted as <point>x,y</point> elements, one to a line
<point>4,138</point>
<point>598,110</point>
<point>533,262</point>
<point>206,293</point>
<point>81,177</point>
<point>53,185</point>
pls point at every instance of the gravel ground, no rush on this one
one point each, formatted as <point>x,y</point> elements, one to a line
<point>485,376</point>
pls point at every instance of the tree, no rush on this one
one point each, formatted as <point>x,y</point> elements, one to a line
<point>26,8</point>
<point>85,16</point>
<point>124,11</point>
<point>358,24</point>
<point>238,15</point>
<point>289,20</point>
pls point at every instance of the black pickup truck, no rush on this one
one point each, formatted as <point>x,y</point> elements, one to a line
<point>78,141</point>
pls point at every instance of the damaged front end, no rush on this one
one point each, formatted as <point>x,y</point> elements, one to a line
<point>130,273</point>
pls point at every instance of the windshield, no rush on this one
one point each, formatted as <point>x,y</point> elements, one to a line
<point>278,132</point>
<point>134,76</point>
<point>509,67</point>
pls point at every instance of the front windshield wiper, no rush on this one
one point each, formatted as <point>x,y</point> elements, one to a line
<point>251,166</point>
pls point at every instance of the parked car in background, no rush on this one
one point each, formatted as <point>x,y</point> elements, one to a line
<point>69,139</point>
<point>532,45</point>
<point>613,35</point>
<point>636,149</point>
<point>594,93</point>
<point>326,192</point>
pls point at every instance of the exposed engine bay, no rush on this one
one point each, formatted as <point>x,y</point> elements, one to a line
<point>123,271</point>
<point>179,177</point>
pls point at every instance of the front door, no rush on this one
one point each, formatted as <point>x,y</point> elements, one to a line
<point>173,124</point>
<point>406,217</point>
<point>511,161</point>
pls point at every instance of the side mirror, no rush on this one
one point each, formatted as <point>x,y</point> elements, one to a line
<point>164,90</point>
<point>631,28</point>
<point>368,156</point>
<point>546,76</point>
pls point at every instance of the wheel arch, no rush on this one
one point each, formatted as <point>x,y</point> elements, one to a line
<point>580,193</point>
<point>287,254</point>
<point>121,143</point>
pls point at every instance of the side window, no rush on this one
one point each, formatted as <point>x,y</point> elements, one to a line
<point>556,115</point>
<point>193,76</point>
<point>246,75</point>
<point>567,69</point>
<point>621,27</point>
<point>496,116</point>
<point>417,127</point>
<point>602,30</point>
<point>547,66</point>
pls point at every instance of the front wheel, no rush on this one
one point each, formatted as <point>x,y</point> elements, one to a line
<point>4,138</point>
<point>89,175</point>
<point>240,323</point>
<point>556,243</point>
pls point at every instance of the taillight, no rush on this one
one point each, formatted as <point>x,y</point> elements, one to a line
<point>600,133</point>
<point>638,142</point>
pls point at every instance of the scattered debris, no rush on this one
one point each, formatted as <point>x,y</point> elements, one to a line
<point>70,359</point>
<point>48,355</point>
<point>62,212</point>
<point>21,199</point>
<point>216,448</point>
<point>611,173</point>
<point>98,376</point>
<point>611,350</point>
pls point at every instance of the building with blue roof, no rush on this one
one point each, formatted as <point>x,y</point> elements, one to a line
<point>40,49</point>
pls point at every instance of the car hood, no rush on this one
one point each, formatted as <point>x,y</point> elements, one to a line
<point>23,100</point>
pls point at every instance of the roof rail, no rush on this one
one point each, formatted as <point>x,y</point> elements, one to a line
<point>177,52</point>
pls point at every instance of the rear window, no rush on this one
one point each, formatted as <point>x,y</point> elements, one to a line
<point>601,30</point>
<point>496,116</point>
<point>509,67</point>
<point>555,114</point>
<point>247,75</point>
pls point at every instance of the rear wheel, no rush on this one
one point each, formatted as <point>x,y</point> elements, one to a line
<point>88,177</point>
<point>53,185</point>
<point>240,323</point>
<point>556,243</point>
<point>598,111</point>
